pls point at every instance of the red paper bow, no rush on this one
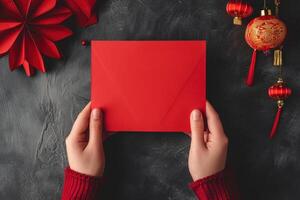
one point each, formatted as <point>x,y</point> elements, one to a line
<point>28,29</point>
<point>84,11</point>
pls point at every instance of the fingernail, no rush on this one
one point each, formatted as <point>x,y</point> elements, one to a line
<point>96,114</point>
<point>196,115</point>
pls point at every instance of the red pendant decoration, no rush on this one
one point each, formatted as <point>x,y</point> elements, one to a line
<point>278,92</point>
<point>238,10</point>
<point>262,34</point>
<point>28,30</point>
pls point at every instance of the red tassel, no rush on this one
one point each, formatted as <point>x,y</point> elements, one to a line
<point>275,124</point>
<point>250,78</point>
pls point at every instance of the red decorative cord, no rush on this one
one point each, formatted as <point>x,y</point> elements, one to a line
<point>250,78</point>
<point>276,122</point>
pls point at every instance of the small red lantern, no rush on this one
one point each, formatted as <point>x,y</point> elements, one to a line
<point>238,10</point>
<point>278,92</point>
<point>262,34</point>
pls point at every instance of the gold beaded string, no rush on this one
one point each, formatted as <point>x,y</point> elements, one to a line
<point>278,52</point>
<point>265,4</point>
<point>277,4</point>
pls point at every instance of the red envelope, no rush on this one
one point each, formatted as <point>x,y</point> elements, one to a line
<point>149,86</point>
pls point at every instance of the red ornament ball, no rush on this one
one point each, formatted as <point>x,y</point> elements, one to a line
<point>265,32</point>
<point>238,10</point>
<point>83,42</point>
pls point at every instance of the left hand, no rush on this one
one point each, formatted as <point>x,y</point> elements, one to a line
<point>208,149</point>
<point>84,143</point>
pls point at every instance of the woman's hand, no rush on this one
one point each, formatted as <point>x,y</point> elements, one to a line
<point>84,143</point>
<point>208,149</point>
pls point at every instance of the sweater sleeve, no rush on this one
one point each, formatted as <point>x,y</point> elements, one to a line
<point>214,187</point>
<point>80,186</point>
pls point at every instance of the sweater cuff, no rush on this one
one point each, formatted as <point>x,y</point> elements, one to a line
<point>80,186</point>
<point>211,187</point>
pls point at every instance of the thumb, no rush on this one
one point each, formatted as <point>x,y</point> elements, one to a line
<point>197,129</point>
<point>214,123</point>
<point>95,137</point>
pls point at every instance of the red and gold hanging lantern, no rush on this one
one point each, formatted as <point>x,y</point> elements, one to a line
<point>263,33</point>
<point>278,92</point>
<point>238,10</point>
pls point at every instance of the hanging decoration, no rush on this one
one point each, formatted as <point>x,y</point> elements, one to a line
<point>84,11</point>
<point>238,10</point>
<point>28,30</point>
<point>278,92</point>
<point>263,33</point>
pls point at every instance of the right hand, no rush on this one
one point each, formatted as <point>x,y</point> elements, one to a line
<point>84,143</point>
<point>208,149</point>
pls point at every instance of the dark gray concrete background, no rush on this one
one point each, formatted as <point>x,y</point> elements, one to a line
<point>36,113</point>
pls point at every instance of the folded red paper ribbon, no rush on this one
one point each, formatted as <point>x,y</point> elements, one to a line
<point>84,10</point>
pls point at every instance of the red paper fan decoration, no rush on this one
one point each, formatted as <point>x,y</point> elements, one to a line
<point>28,30</point>
<point>238,10</point>
<point>84,11</point>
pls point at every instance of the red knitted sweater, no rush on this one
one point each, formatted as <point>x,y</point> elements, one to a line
<point>82,187</point>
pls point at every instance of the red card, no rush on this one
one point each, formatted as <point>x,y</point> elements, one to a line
<point>149,86</point>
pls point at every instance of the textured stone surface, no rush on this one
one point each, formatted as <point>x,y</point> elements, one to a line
<point>37,113</point>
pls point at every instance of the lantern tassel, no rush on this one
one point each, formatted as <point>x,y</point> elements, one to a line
<point>250,78</point>
<point>276,122</point>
